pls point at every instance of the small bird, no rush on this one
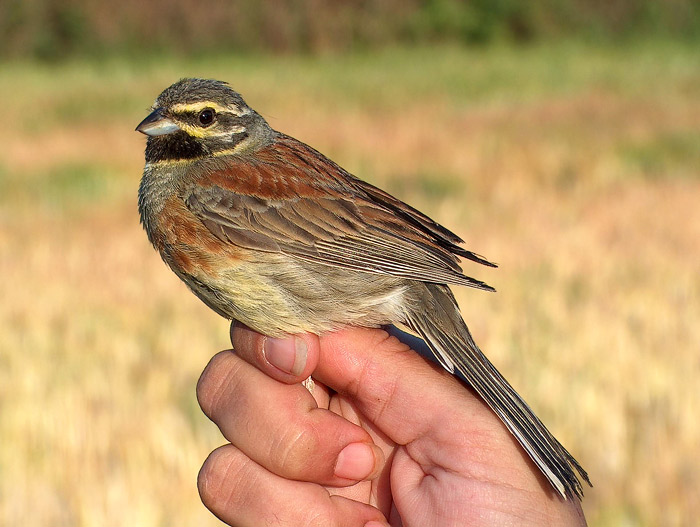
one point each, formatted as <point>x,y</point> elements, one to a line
<point>267,231</point>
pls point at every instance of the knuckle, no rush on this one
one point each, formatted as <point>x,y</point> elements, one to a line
<point>294,451</point>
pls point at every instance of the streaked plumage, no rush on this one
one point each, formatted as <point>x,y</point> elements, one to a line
<point>268,231</point>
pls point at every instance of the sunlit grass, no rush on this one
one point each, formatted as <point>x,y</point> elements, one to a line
<point>575,168</point>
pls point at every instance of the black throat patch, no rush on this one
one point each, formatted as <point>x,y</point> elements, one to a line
<point>174,147</point>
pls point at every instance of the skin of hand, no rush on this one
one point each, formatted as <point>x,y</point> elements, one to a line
<point>387,438</point>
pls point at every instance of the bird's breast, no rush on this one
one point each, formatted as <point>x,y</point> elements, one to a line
<point>189,247</point>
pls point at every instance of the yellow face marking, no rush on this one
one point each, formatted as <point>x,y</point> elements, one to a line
<point>240,147</point>
<point>211,131</point>
<point>195,131</point>
<point>197,107</point>
<point>162,162</point>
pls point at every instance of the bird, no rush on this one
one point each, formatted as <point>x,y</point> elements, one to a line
<point>269,232</point>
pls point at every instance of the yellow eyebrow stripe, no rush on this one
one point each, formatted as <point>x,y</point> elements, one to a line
<point>196,131</point>
<point>197,107</point>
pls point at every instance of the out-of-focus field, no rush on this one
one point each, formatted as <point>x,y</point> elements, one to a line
<point>576,168</point>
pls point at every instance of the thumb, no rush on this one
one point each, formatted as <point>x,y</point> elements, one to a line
<point>402,393</point>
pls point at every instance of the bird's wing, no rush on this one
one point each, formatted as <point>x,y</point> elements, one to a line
<point>293,200</point>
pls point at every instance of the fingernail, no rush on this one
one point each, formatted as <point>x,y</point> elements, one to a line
<point>375,523</point>
<point>288,355</point>
<point>356,461</point>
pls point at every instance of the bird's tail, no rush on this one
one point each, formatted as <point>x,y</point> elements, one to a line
<point>437,319</point>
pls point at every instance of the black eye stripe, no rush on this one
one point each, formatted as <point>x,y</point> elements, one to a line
<point>189,116</point>
<point>192,116</point>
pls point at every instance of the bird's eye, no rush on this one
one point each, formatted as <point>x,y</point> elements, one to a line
<point>206,117</point>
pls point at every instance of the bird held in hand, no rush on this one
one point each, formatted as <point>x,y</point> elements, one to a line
<point>268,231</point>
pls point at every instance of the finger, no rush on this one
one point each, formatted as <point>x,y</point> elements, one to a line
<point>394,387</point>
<point>242,493</point>
<point>378,491</point>
<point>290,360</point>
<point>280,426</point>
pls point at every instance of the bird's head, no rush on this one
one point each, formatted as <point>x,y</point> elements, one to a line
<point>197,118</point>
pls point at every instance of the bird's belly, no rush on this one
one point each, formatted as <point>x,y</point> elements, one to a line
<point>277,294</point>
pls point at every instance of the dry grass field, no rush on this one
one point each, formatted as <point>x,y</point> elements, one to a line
<point>576,168</point>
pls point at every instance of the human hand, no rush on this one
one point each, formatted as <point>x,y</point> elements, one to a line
<point>386,437</point>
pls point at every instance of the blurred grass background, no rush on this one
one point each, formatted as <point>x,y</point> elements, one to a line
<point>560,139</point>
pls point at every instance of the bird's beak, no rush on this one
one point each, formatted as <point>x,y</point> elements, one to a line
<point>157,124</point>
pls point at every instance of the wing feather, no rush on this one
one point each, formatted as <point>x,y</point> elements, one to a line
<point>318,212</point>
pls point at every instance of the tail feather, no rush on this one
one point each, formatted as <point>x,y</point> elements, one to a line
<point>439,323</point>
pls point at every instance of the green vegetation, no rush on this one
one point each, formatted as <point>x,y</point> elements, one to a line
<point>51,31</point>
